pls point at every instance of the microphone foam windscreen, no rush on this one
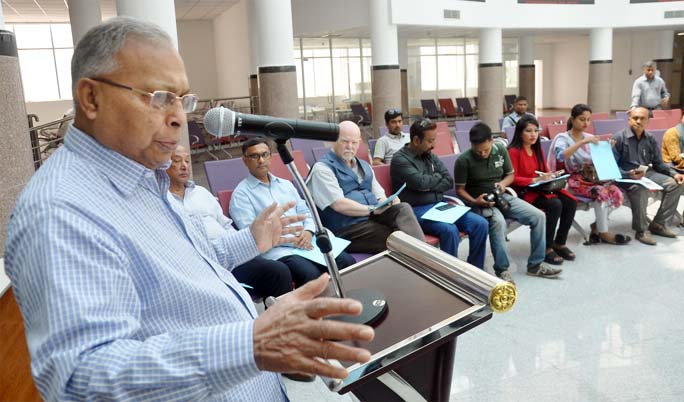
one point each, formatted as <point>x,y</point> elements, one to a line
<point>218,121</point>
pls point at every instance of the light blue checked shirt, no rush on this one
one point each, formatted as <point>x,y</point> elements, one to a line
<point>251,196</point>
<point>123,296</point>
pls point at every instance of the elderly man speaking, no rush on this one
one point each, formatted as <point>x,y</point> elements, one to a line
<point>122,294</point>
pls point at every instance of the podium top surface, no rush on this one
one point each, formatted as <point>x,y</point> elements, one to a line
<point>423,313</point>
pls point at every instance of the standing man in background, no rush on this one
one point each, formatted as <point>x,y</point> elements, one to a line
<point>649,90</point>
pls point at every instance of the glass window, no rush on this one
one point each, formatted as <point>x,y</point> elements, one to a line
<point>63,63</point>
<point>61,36</point>
<point>471,62</point>
<point>428,73</point>
<point>511,74</point>
<point>9,27</point>
<point>471,46</point>
<point>38,75</point>
<point>451,74</point>
<point>33,36</point>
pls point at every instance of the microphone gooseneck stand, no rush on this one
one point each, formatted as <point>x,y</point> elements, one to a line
<point>374,302</point>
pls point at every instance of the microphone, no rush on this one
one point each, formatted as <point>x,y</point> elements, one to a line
<point>223,122</point>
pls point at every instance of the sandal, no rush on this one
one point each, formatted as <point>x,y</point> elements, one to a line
<point>564,252</point>
<point>553,258</point>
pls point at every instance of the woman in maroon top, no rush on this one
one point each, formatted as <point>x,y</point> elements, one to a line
<point>528,158</point>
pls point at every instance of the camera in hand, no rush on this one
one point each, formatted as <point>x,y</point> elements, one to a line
<point>496,196</point>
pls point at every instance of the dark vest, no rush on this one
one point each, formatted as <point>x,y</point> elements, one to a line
<point>352,189</point>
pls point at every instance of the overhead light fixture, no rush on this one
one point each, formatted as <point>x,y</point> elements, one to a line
<point>680,33</point>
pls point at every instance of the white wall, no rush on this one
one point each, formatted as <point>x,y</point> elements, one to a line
<point>196,47</point>
<point>48,111</point>
<point>231,46</point>
<point>544,52</point>
<point>323,16</point>
<point>570,73</point>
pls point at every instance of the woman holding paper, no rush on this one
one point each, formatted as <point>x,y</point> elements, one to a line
<point>570,150</point>
<point>560,206</point>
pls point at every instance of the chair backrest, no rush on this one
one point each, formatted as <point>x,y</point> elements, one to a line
<point>224,199</point>
<point>609,126</point>
<point>449,161</point>
<point>464,106</point>
<point>465,125</point>
<point>509,100</point>
<point>382,175</point>
<point>319,153</point>
<point>463,140</point>
<point>442,127</point>
<point>545,145</point>
<point>658,123</point>
<point>544,121</point>
<point>196,135</point>
<point>360,114</point>
<point>622,116</point>
<point>371,146</point>
<point>225,174</point>
<point>279,169</point>
<point>555,129</point>
<point>362,153</point>
<point>477,105</point>
<point>444,145</point>
<point>447,107</point>
<point>429,108</point>
<point>658,135</point>
<point>306,146</point>
<point>673,116</point>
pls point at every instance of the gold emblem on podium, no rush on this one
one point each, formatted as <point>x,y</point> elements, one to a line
<point>502,297</point>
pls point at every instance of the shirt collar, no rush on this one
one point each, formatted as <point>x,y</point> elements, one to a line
<point>415,154</point>
<point>253,182</point>
<point>397,136</point>
<point>124,173</point>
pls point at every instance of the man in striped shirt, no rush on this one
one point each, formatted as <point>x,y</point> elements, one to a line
<point>122,294</point>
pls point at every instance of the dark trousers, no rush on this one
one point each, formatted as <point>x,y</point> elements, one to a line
<point>304,270</point>
<point>266,277</point>
<point>370,236</point>
<point>638,199</point>
<point>558,208</point>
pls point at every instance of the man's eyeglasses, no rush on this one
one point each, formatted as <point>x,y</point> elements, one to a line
<point>255,157</point>
<point>158,99</point>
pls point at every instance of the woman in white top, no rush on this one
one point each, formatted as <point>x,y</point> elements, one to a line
<point>570,150</point>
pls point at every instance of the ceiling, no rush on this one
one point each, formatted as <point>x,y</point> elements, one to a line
<point>58,11</point>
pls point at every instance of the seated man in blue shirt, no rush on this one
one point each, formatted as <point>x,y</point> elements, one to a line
<point>261,189</point>
<point>122,294</point>
<point>263,276</point>
<point>426,180</point>
<point>519,110</point>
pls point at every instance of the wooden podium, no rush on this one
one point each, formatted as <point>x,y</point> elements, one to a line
<point>432,298</point>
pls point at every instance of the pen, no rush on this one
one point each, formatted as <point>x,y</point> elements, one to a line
<point>540,173</point>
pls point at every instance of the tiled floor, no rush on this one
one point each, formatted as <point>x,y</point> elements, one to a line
<point>609,330</point>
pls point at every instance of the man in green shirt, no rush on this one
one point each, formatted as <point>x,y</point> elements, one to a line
<point>480,170</point>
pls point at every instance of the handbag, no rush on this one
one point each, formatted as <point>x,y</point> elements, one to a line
<point>553,186</point>
<point>588,173</point>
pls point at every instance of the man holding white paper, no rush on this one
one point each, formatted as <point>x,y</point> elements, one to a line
<point>634,149</point>
<point>426,180</point>
<point>346,193</point>
<point>261,189</point>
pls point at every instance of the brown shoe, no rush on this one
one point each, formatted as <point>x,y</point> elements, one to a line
<point>645,238</point>
<point>661,230</point>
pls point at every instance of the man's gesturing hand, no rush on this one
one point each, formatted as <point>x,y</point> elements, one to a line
<point>291,335</point>
<point>269,227</point>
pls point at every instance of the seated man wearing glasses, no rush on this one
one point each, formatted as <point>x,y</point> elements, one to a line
<point>393,141</point>
<point>426,180</point>
<point>261,189</point>
<point>263,277</point>
<point>482,174</point>
<point>346,193</point>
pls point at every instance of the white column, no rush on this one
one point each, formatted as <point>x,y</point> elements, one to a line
<point>601,44</point>
<point>2,19</point>
<point>253,36</point>
<point>664,45</point>
<point>526,50</point>
<point>275,42</point>
<point>490,46</point>
<point>403,53</point>
<point>160,12</point>
<point>83,15</point>
<point>384,44</point>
